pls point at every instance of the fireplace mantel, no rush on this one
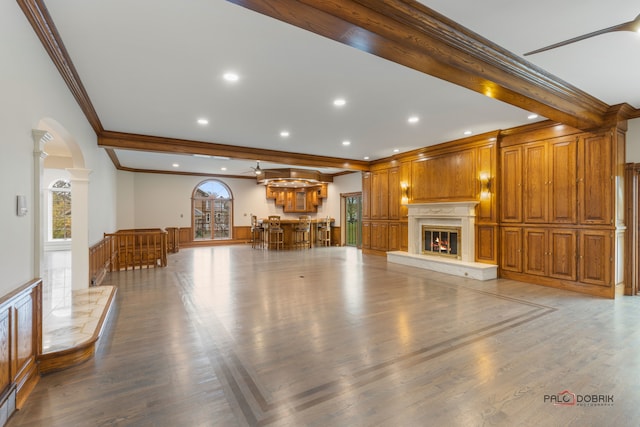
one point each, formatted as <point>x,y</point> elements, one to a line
<point>451,214</point>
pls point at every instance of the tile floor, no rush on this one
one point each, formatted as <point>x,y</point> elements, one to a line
<point>69,317</point>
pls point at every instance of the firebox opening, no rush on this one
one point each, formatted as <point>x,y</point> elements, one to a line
<point>441,241</point>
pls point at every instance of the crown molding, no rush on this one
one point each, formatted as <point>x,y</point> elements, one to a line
<point>38,15</point>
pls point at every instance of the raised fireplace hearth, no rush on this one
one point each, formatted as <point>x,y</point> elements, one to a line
<point>437,229</point>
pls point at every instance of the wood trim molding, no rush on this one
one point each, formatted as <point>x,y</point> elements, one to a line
<point>38,15</point>
<point>411,34</point>
<point>127,141</point>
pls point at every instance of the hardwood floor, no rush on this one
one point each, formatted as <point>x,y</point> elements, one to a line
<point>234,336</point>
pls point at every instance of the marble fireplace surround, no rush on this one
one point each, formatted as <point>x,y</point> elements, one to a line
<point>446,214</point>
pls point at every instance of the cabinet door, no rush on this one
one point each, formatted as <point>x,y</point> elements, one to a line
<point>563,189</point>
<point>511,185</point>
<point>394,193</point>
<point>535,251</point>
<point>379,236</point>
<point>366,235</point>
<point>535,194</point>
<point>394,236</point>
<point>380,195</point>
<point>404,236</point>
<point>595,257</point>
<point>596,179</point>
<point>511,254</point>
<point>366,195</point>
<point>562,254</point>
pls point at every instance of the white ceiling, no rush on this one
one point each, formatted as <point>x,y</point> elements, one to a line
<point>154,67</point>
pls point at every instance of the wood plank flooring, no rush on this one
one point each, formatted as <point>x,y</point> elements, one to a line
<point>234,336</point>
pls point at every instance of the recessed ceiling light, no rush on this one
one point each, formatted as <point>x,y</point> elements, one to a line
<point>203,156</point>
<point>284,133</point>
<point>346,143</point>
<point>339,102</point>
<point>413,119</point>
<point>175,165</point>
<point>223,169</point>
<point>203,122</point>
<point>366,157</point>
<point>467,132</point>
<point>395,150</point>
<point>532,116</point>
<point>231,77</point>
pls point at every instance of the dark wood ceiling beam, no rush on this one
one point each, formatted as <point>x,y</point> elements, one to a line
<point>410,34</point>
<point>38,15</point>
<point>127,141</point>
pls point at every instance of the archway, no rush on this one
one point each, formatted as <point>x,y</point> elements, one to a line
<point>56,148</point>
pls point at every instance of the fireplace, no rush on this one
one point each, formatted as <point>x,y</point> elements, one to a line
<point>442,238</point>
<point>441,241</point>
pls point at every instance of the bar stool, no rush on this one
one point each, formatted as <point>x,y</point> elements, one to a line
<point>324,232</point>
<point>302,232</point>
<point>275,233</point>
<point>257,233</point>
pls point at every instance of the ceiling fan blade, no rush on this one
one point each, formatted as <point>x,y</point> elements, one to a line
<point>627,26</point>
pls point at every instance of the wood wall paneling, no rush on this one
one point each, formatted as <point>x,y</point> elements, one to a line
<point>596,177</point>
<point>535,194</point>
<point>596,257</point>
<point>562,254</point>
<point>511,185</point>
<point>20,342</point>
<point>366,195</point>
<point>511,250</point>
<point>395,192</point>
<point>486,210</point>
<point>486,242</point>
<point>563,188</point>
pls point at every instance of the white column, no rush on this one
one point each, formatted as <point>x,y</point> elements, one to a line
<point>40,138</point>
<point>79,228</point>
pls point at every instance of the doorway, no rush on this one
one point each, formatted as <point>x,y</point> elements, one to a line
<point>352,203</point>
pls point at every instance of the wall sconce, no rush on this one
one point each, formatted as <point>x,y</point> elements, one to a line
<point>485,183</point>
<point>405,191</point>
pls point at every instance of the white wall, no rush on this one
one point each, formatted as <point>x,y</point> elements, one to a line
<point>32,90</point>
<point>165,200</point>
<point>633,141</point>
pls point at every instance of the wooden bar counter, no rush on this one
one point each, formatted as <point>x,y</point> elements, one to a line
<point>288,225</point>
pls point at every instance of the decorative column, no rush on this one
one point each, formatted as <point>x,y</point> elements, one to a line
<point>79,228</point>
<point>40,138</point>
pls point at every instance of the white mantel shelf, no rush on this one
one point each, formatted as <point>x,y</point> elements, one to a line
<point>454,214</point>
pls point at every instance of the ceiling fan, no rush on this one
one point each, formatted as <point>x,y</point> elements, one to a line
<point>627,26</point>
<point>257,169</point>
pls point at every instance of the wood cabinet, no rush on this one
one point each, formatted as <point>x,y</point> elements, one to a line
<point>596,257</point>
<point>511,254</point>
<point>366,195</point>
<point>596,179</point>
<point>366,235</point>
<point>549,184</point>
<point>380,236</point>
<point>511,184</point>
<point>394,191</point>
<point>380,194</point>
<point>394,236</point>
<point>297,200</point>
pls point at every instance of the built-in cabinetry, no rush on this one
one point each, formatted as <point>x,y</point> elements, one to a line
<point>297,199</point>
<point>557,210</point>
<point>381,210</point>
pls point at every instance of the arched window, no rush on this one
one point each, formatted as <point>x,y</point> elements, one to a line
<point>60,210</point>
<point>212,211</point>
